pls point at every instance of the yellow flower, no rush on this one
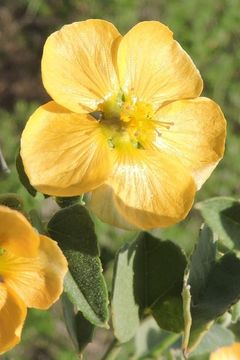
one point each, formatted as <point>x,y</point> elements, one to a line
<point>227,353</point>
<point>126,124</point>
<point>32,268</point>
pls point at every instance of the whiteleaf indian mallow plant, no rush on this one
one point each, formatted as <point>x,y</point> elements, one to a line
<point>128,138</point>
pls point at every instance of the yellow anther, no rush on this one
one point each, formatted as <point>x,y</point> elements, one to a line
<point>127,120</point>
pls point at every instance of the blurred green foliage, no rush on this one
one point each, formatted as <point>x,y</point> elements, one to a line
<point>208,30</point>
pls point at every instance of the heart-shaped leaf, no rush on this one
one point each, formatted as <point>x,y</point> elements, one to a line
<point>214,285</point>
<point>148,279</point>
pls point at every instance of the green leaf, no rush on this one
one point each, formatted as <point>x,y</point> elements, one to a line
<point>125,308</point>
<point>216,337</point>
<point>159,268</point>
<point>148,278</point>
<point>222,214</point>
<point>73,228</point>
<point>23,176</point>
<point>11,200</point>
<point>214,286</point>
<point>168,313</point>
<point>202,261</point>
<point>221,291</point>
<point>80,329</point>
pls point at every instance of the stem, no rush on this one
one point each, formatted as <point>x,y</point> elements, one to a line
<point>3,166</point>
<point>82,202</point>
<point>165,344</point>
<point>112,351</point>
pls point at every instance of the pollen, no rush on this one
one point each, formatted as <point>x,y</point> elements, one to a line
<point>2,251</point>
<point>127,120</point>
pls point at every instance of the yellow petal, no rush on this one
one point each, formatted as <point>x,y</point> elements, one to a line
<point>64,154</point>
<point>16,233</point>
<point>3,294</point>
<point>154,67</point>
<point>78,64</point>
<point>227,353</point>
<point>12,315</point>
<point>103,203</point>
<point>196,136</point>
<point>148,189</point>
<point>38,281</point>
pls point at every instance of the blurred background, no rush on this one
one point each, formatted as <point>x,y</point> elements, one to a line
<point>208,30</point>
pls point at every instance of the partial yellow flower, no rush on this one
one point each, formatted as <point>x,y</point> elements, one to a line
<point>32,268</point>
<point>231,352</point>
<point>126,124</point>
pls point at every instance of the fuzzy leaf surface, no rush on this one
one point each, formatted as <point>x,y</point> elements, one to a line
<point>73,229</point>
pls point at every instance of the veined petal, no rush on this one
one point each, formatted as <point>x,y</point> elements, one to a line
<point>148,189</point>
<point>196,135</point>
<point>12,316</point>
<point>3,294</point>
<point>78,64</point>
<point>231,352</point>
<point>16,233</point>
<point>38,281</point>
<point>154,67</point>
<point>64,154</point>
<point>102,203</point>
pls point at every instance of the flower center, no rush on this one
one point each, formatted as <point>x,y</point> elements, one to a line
<point>125,120</point>
<point>12,265</point>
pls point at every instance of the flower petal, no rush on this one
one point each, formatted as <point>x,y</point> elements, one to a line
<point>148,189</point>
<point>197,136</point>
<point>39,281</point>
<point>12,316</point>
<point>16,233</point>
<point>154,67</point>
<point>62,151</point>
<point>3,293</point>
<point>231,352</point>
<point>78,64</point>
<point>102,202</point>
